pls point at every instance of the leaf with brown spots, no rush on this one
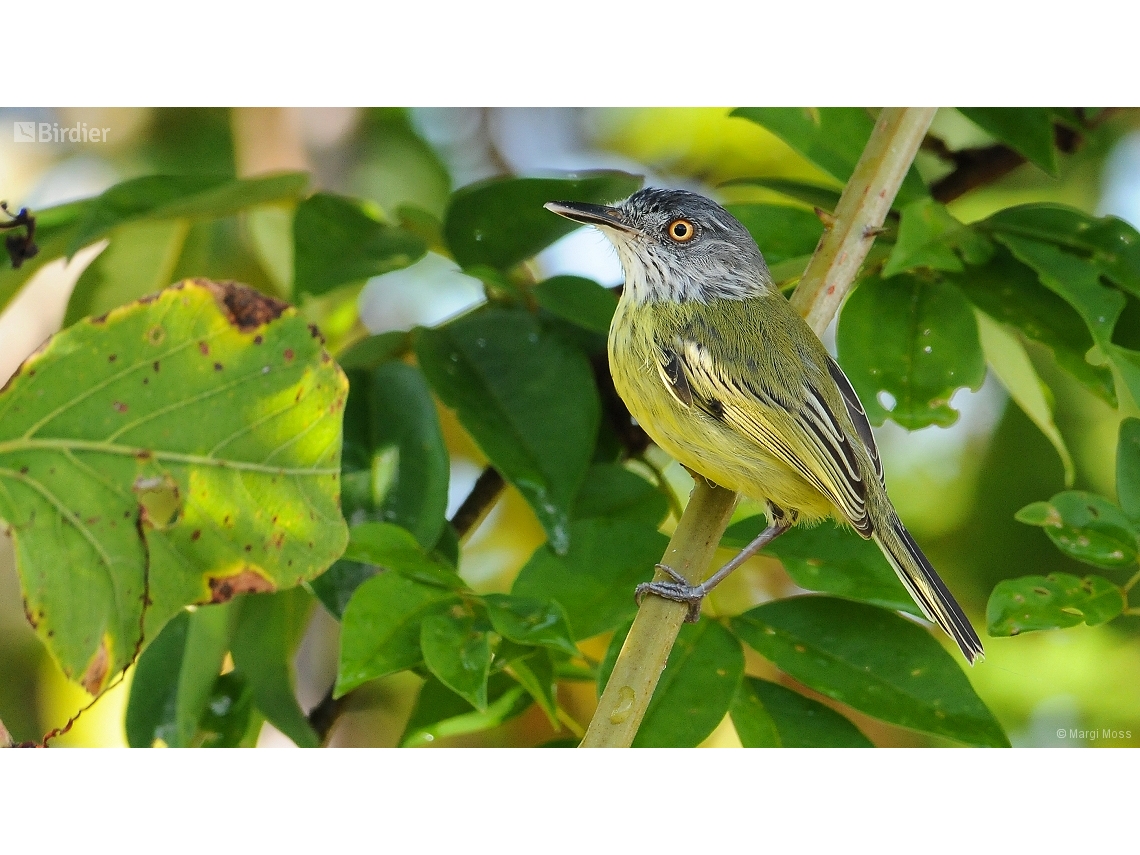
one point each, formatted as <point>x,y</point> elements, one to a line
<point>132,493</point>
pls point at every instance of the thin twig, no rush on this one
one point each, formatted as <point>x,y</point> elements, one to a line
<point>860,212</point>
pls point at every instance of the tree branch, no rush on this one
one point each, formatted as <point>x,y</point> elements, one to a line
<point>861,210</point>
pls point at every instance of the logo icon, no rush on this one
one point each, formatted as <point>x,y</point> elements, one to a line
<point>24,131</point>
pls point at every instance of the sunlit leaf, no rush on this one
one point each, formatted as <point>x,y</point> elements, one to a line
<point>394,548</point>
<point>181,450</point>
<point>917,341</point>
<point>529,400</point>
<point>833,138</point>
<point>1051,602</point>
<point>871,660</point>
<point>595,580</point>
<point>767,715</point>
<point>1086,527</point>
<point>500,222</point>
<point>696,688</point>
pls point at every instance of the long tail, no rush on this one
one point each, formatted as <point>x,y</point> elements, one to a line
<point>928,591</point>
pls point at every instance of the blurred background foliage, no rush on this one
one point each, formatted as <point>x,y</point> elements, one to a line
<point>957,488</point>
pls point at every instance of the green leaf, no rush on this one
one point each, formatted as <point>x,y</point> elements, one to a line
<point>380,630</point>
<point>152,707</point>
<point>527,398</point>
<point>1086,527</point>
<point>529,621</point>
<point>180,450</point>
<point>767,715</point>
<point>1079,283</point>
<point>929,237</point>
<point>595,579</point>
<point>335,587</point>
<point>696,688</point>
<point>1051,602</point>
<point>54,228</point>
<point>1027,130</point>
<point>338,240</point>
<point>831,560</point>
<point>1010,292</point>
<point>581,301</point>
<point>500,222</point>
<point>833,138</point>
<point>458,652</point>
<point>781,232</point>
<point>267,635</point>
<point>1128,469</point>
<point>1007,357</point>
<point>871,660</point>
<point>440,713</point>
<point>917,341</point>
<point>227,717</point>
<point>394,548</point>
<point>610,490</point>
<point>536,674</point>
<point>167,197</point>
<point>207,641</point>
<point>139,260</point>
<point>824,198</point>
<point>375,350</point>
<point>393,441</point>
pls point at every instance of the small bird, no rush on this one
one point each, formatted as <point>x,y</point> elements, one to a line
<point>726,377</point>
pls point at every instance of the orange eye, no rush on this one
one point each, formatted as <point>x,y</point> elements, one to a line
<point>681,231</point>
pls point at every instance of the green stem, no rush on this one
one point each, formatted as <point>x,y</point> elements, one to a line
<point>1131,583</point>
<point>829,276</point>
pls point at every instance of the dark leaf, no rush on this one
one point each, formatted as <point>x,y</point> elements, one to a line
<point>335,587</point>
<point>226,718</point>
<point>824,198</point>
<point>152,708</point>
<point>767,715</point>
<point>375,350</point>
<point>339,240</point>
<point>536,674</point>
<point>267,635</point>
<point>916,341</point>
<point>581,301</point>
<point>871,660</point>
<point>781,232</point>
<point>529,400</point>
<point>696,688</point>
<point>1128,468</point>
<point>1027,130</point>
<point>501,221</point>
<point>612,491</point>
<point>595,579</point>
<point>1051,602</point>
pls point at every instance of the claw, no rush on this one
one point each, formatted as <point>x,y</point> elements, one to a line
<point>679,592</point>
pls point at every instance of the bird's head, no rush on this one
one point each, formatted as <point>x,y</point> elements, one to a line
<point>676,245</point>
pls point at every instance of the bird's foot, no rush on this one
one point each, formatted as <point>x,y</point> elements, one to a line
<point>679,591</point>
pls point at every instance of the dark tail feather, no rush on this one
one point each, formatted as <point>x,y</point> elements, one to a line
<point>928,591</point>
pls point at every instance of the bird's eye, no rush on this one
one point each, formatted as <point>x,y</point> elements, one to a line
<point>681,231</point>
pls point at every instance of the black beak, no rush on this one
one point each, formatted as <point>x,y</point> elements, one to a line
<point>591,215</point>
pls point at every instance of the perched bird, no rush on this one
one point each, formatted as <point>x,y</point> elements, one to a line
<point>725,376</point>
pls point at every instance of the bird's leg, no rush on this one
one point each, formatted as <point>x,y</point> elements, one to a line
<point>679,590</point>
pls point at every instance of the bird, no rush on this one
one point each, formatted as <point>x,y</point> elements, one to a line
<point>724,375</point>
